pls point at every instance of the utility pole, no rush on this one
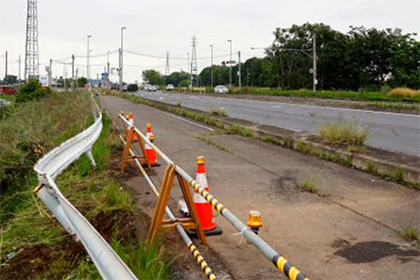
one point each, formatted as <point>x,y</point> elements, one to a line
<point>167,69</point>
<point>230,64</point>
<point>65,77</point>
<point>72,72</point>
<point>88,67</point>
<point>121,58</point>
<point>239,70</point>
<point>5,75</point>
<point>50,74</point>
<point>19,71</point>
<point>314,61</point>
<point>188,70</point>
<point>107,63</point>
<point>211,68</point>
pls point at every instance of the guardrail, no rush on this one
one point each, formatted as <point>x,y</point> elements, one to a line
<point>108,263</point>
<point>279,261</point>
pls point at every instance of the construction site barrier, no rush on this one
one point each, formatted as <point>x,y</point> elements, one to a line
<point>108,263</point>
<point>279,261</point>
<point>194,251</point>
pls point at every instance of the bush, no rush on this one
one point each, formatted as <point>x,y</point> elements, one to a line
<point>404,92</point>
<point>31,91</point>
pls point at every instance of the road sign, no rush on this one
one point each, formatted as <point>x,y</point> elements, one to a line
<point>105,76</point>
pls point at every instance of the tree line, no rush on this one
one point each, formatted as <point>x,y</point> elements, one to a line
<point>362,58</point>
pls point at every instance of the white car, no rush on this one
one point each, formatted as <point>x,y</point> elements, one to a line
<point>221,89</point>
<point>170,87</point>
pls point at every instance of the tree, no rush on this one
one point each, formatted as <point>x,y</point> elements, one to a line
<point>81,82</point>
<point>153,77</point>
<point>10,80</point>
<point>31,91</point>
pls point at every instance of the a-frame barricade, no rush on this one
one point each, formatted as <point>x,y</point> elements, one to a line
<point>159,223</point>
<point>126,153</point>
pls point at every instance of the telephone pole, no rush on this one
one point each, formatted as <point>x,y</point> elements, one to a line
<point>31,49</point>
<point>88,61</point>
<point>5,75</point>
<point>211,68</point>
<point>50,74</point>
<point>239,70</point>
<point>314,64</point>
<point>72,72</point>
<point>121,58</point>
<point>188,70</point>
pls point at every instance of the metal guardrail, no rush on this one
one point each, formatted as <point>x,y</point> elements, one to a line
<point>108,263</point>
<point>279,261</point>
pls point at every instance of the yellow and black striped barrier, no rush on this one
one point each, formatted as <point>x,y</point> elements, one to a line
<point>280,262</point>
<point>201,262</point>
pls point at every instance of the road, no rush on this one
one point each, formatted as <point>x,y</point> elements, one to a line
<point>389,131</point>
<point>347,232</point>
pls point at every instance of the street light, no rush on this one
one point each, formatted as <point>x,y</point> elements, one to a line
<point>230,64</point>
<point>87,67</point>
<point>211,46</point>
<point>121,58</point>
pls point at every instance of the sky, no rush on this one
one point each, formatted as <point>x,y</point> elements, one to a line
<point>156,27</point>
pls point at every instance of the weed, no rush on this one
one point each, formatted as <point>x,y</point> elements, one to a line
<point>303,147</point>
<point>410,234</point>
<point>288,141</point>
<point>308,185</point>
<point>371,166</point>
<point>179,103</point>
<point>398,174</point>
<point>211,142</point>
<point>218,112</point>
<point>241,130</point>
<point>343,131</point>
<point>404,92</point>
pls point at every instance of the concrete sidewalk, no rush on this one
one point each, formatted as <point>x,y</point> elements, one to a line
<point>346,232</point>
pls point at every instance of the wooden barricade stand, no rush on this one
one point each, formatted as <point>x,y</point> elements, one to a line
<point>158,221</point>
<point>126,153</point>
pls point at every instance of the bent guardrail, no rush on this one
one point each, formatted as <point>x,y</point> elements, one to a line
<point>279,261</point>
<point>108,263</point>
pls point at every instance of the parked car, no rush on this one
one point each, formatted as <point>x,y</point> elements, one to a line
<point>132,88</point>
<point>10,90</point>
<point>150,88</point>
<point>170,87</point>
<point>221,89</point>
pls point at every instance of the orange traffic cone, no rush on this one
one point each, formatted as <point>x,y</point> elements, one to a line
<point>148,129</point>
<point>150,153</point>
<point>131,121</point>
<point>204,209</point>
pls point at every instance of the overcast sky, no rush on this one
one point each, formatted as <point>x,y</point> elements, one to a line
<point>159,26</point>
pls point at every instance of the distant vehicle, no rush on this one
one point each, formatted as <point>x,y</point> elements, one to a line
<point>124,88</point>
<point>132,88</point>
<point>150,87</point>
<point>9,90</point>
<point>221,89</point>
<point>170,87</point>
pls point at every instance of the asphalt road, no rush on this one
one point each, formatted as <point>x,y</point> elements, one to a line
<point>389,131</point>
<point>346,230</point>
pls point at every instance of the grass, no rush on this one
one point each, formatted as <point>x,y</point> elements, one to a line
<point>211,142</point>
<point>26,223</point>
<point>332,94</point>
<point>411,234</point>
<point>302,147</point>
<point>220,112</point>
<point>342,131</point>
<point>241,130</point>
<point>308,185</point>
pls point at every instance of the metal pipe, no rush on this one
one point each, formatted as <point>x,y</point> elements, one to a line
<point>200,260</point>
<point>279,261</point>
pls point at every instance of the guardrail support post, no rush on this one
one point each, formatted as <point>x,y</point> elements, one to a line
<point>92,160</point>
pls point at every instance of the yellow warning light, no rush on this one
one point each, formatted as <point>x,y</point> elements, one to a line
<point>201,160</point>
<point>255,220</point>
<point>151,137</point>
<point>149,125</point>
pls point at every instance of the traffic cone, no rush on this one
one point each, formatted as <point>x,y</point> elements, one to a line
<point>150,153</point>
<point>203,207</point>
<point>131,121</point>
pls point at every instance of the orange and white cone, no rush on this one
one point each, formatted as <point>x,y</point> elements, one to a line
<point>150,153</point>
<point>203,207</point>
<point>131,121</point>
<point>148,130</point>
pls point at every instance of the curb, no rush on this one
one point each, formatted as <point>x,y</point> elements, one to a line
<point>389,170</point>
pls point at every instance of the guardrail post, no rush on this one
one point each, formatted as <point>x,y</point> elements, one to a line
<point>48,197</point>
<point>92,160</point>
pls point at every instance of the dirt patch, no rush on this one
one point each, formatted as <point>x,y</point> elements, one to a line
<point>286,185</point>
<point>36,261</point>
<point>371,251</point>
